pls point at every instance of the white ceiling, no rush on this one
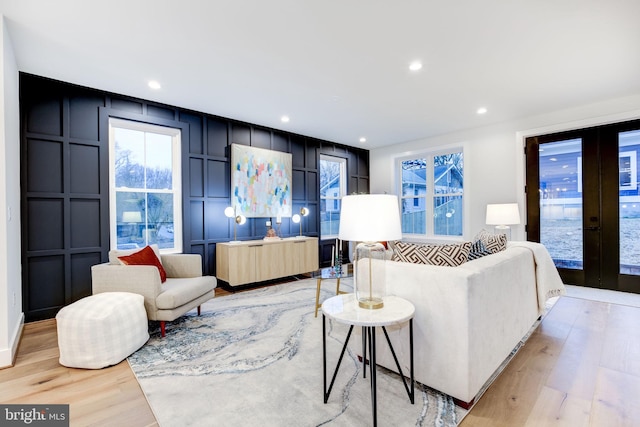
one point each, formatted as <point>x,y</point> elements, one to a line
<point>339,68</point>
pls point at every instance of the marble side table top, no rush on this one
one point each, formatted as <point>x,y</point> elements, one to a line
<point>344,309</point>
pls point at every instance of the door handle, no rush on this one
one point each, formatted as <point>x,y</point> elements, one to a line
<point>593,228</point>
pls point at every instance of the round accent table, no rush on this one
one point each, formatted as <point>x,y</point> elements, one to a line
<point>345,309</point>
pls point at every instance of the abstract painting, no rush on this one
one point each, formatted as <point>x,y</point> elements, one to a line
<point>260,182</point>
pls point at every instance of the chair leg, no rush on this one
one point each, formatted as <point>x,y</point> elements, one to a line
<point>162,328</point>
<point>198,310</point>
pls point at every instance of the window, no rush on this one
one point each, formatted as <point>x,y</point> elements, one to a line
<point>431,187</point>
<point>144,186</point>
<point>333,185</point>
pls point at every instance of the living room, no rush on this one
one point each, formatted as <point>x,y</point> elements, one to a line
<point>565,97</point>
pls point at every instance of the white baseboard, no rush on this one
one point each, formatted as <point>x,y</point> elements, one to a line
<point>8,355</point>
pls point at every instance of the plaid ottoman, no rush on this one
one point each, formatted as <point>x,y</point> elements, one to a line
<point>101,330</point>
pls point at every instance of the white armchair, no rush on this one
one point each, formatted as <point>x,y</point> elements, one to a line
<point>185,288</point>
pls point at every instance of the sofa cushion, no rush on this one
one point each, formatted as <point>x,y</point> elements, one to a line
<point>478,250</point>
<point>494,243</point>
<point>177,292</point>
<point>449,255</point>
<point>146,256</point>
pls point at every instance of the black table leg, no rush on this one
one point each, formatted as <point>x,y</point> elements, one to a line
<point>410,390</point>
<point>413,392</point>
<point>324,358</point>
<point>364,352</point>
<point>372,362</point>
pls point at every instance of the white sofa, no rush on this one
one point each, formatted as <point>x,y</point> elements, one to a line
<point>468,318</point>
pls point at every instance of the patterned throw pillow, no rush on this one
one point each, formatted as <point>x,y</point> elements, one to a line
<point>494,243</point>
<point>444,255</point>
<point>478,250</point>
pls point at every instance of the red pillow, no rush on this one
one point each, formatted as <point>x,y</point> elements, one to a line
<point>145,257</point>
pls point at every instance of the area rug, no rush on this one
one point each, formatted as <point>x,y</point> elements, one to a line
<point>254,358</point>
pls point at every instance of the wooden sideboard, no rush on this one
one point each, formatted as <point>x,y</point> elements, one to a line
<point>254,261</point>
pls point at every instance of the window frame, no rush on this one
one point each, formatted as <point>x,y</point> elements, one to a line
<point>430,194</point>
<point>176,179</point>
<point>342,187</point>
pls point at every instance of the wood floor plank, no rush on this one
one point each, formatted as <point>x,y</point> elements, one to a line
<point>576,370</point>
<point>513,394</point>
<point>558,409</point>
<point>616,401</point>
<point>622,342</point>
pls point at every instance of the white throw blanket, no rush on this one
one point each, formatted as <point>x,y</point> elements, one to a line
<point>548,281</point>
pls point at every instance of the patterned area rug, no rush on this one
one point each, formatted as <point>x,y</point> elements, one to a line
<point>255,358</point>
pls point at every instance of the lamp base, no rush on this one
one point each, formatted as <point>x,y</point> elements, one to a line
<point>370,303</point>
<point>369,275</point>
<point>503,229</point>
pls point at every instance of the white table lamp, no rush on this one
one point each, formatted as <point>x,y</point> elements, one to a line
<point>370,219</point>
<point>502,216</point>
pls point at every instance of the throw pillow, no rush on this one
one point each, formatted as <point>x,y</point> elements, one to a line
<point>493,242</point>
<point>450,255</point>
<point>146,256</point>
<point>478,250</point>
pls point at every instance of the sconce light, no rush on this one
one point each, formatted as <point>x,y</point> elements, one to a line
<point>230,212</point>
<point>298,218</point>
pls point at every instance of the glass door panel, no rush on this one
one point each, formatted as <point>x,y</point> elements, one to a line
<point>629,201</point>
<point>561,209</point>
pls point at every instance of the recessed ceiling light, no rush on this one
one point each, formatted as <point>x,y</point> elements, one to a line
<point>284,119</point>
<point>415,66</point>
<point>363,139</point>
<point>482,110</point>
<point>154,84</point>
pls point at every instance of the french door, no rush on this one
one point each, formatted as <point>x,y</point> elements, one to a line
<point>583,203</point>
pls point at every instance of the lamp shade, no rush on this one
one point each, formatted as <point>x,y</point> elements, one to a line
<point>370,218</point>
<point>503,214</point>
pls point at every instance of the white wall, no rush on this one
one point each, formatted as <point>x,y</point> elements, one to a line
<point>494,157</point>
<point>11,316</point>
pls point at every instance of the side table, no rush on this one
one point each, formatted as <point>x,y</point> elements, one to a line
<point>344,309</point>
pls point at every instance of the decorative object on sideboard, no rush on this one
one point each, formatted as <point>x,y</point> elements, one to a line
<point>230,212</point>
<point>370,219</point>
<point>278,224</point>
<point>502,216</point>
<point>297,218</point>
<point>271,233</point>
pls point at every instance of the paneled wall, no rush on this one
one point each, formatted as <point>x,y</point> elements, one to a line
<point>65,193</point>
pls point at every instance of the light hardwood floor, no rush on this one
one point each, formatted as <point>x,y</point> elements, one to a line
<point>581,367</point>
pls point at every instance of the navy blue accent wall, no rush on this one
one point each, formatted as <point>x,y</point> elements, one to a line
<point>65,189</point>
